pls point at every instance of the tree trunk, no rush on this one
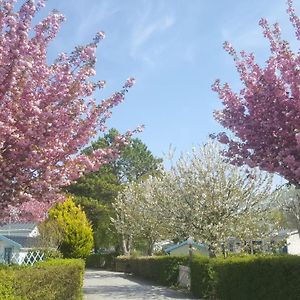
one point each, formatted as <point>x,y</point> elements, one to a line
<point>212,251</point>
<point>251,247</point>
<point>126,245</point>
<point>150,248</point>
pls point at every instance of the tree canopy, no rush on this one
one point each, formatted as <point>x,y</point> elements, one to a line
<point>96,191</point>
<point>48,113</point>
<point>264,115</point>
<point>203,197</point>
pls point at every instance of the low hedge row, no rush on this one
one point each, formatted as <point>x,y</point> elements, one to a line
<point>57,279</point>
<point>260,278</point>
<point>160,269</point>
<point>235,278</point>
<point>101,261</point>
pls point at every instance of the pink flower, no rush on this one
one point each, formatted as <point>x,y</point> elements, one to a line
<point>129,82</point>
<point>264,114</point>
<point>44,121</point>
<point>101,35</point>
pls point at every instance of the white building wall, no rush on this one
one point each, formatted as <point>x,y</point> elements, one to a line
<point>293,244</point>
<point>183,250</point>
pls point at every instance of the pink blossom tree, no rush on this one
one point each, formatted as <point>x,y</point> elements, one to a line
<point>265,114</point>
<point>48,113</point>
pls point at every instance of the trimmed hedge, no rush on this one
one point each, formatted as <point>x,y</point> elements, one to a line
<point>6,284</point>
<point>57,279</point>
<point>259,278</point>
<point>202,277</point>
<point>235,278</point>
<point>160,269</point>
<point>101,261</point>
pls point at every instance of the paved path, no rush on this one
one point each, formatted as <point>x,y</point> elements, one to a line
<point>104,285</point>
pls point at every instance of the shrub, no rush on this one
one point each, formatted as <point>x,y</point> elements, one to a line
<point>201,277</point>
<point>101,261</point>
<point>160,269</point>
<point>51,253</point>
<point>56,279</point>
<point>77,241</point>
<point>251,277</point>
<point>6,284</point>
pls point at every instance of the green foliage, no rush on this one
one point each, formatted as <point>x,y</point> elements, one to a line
<point>95,191</point>
<point>52,280</point>
<point>77,232</point>
<point>99,214</point>
<point>101,261</point>
<point>102,185</point>
<point>201,277</point>
<point>135,162</point>
<point>160,269</point>
<point>249,277</point>
<point>6,284</point>
<point>50,234</point>
<point>51,254</point>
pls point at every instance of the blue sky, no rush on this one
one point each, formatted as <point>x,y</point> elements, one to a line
<point>174,50</point>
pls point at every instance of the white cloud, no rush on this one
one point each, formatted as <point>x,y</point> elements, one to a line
<point>249,39</point>
<point>97,13</point>
<point>248,35</point>
<point>144,31</point>
<point>147,26</point>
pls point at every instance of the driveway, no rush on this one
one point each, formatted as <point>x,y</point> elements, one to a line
<point>105,285</point>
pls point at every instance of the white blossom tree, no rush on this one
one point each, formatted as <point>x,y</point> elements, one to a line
<point>139,214</point>
<point>289,203</point>
<point>202,196</point>
<point>213,200</point>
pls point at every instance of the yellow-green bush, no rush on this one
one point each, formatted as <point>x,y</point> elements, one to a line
<point>6,284</point>
<point>57,279</point>
<point>77,241</point>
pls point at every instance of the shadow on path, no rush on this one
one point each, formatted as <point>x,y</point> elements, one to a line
<point>104,285</point>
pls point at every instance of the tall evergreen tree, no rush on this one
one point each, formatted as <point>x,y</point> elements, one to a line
<point>96,191</point>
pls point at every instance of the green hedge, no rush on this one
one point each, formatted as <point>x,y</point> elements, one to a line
<point>101,261</point>
<point>6,284</point>
<point>259,278</point>
<point>235,278</point>
<point>57,279</point>
<point>160,269</point>
<point>201,277</point>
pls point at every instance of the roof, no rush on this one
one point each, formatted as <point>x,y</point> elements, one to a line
<point>10,242</point>
<point>18,226</point>
<point>19,229</point>
<point>284,233</point>
<point>23,241</point>
<point>194,244</point>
